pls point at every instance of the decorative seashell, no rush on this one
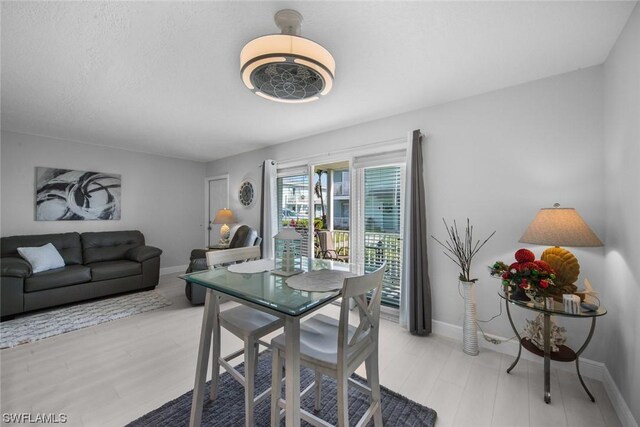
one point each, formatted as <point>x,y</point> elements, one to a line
<point>564,263</point>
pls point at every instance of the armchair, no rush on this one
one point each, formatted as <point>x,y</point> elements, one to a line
<point>244,236</point>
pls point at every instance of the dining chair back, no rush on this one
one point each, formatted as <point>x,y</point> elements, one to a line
<point>366,292</point>
<point>336,348</point>
<point>246,323</point>
<point>216,258</point>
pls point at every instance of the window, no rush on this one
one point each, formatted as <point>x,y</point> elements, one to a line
<point>382,200</point>
<point>293,206</point>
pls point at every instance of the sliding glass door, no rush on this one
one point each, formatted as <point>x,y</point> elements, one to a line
<point>381,201</point>
<point>368,234</point>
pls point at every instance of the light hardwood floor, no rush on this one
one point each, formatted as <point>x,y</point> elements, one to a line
<point>110,374</point>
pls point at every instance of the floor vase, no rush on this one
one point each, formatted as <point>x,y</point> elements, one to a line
<point>469,326</point>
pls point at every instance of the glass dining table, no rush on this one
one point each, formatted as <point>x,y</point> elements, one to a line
<point>269,293</point>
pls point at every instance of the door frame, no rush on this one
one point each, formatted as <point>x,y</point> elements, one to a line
<point>207,180</point>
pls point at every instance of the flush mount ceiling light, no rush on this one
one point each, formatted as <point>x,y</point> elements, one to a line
<point>286,67</point>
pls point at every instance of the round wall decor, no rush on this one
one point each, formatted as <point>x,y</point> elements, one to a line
<point>246,193</point>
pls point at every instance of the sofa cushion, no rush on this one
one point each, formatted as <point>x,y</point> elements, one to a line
<point>114,269</point>
<point>51,279</point>
<point>67,244</point>
<point>109,245</point>
<point>42,258</point>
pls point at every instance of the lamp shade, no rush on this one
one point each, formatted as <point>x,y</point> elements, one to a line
<point>559,227</point>
<point>288,233</point>
<point>225,216</point>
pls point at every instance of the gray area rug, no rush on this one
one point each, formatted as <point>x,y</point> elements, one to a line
<point>45,324</point>
<point>228,409</point>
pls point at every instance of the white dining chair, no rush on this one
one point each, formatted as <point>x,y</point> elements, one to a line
<point>334,347</point>
<point>247,324</point>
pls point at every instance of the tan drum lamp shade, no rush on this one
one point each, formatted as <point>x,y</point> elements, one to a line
<point>560,227</point>
<point>224,216</point>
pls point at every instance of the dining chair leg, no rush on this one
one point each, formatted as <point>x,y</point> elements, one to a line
<point>373,378</point>
<point>318,404</point>
<point>215,349</point>
<point>256,352</point>
<point>276,386</point>
<point>249,381</point>
<point>343,400</point>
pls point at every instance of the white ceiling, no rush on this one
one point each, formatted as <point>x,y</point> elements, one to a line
<point>163,77</point>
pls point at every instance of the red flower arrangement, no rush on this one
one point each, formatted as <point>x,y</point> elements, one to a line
<point>527,274</point>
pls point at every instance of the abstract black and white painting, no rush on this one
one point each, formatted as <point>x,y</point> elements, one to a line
<point>68,195</point>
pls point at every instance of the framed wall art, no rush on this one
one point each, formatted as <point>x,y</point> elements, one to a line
<point>72,195</point>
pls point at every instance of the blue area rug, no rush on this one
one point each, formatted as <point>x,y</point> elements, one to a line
<point>228,409</point>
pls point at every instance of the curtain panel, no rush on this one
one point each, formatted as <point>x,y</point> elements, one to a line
<point>415,304</point>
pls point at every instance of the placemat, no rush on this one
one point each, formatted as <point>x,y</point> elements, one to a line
<point>319,280</point>
<point>250,267</point>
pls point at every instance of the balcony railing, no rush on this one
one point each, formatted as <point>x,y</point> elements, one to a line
<point>341,240</point>
<point>378,248</point>
<point>381,247</point>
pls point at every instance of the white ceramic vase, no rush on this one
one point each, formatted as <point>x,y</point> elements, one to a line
<point>469,325</point>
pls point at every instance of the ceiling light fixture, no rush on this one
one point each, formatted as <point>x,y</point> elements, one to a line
<point>287,67</point>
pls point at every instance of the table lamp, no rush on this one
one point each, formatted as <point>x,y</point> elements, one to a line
<point>560,227</point>
<point>224,217</point>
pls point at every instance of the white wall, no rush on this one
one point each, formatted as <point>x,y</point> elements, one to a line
<point>162,197</point>
<point>622,178</point>
<point>496,158</point>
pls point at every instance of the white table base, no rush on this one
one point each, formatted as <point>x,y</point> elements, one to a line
<point>210,330</point>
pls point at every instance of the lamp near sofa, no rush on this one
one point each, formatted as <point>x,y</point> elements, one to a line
<point>224,216</point>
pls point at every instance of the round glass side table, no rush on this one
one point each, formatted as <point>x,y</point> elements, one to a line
<point>565,354</point>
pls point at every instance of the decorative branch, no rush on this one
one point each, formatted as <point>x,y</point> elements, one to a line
<point>461,251</point>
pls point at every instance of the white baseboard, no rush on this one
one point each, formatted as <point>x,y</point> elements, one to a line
<point>618,402</point>
<point>588,368</point>
<point>174,269</point>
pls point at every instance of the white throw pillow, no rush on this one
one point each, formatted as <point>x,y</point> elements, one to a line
<point>42,258</point>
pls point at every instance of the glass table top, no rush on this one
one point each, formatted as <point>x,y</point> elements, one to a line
<point>556,309</point>
<point>270,290</point>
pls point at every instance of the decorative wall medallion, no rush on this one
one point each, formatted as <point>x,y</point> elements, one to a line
<point>246,193</point>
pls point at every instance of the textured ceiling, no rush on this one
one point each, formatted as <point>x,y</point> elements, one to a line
<point>163,77</point>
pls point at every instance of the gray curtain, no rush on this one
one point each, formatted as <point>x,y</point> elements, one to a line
<point>417,275</point>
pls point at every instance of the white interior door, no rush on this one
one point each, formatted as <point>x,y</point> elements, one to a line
<point>218,199</point>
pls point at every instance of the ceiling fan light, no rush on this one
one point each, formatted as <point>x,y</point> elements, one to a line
<point>328,78</point>
<point>286,67</point>
<point>286,101</point>
<point>246,74</point>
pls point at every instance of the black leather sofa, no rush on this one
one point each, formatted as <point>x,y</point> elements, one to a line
<point>96,265</point>
<point>243,237</point>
